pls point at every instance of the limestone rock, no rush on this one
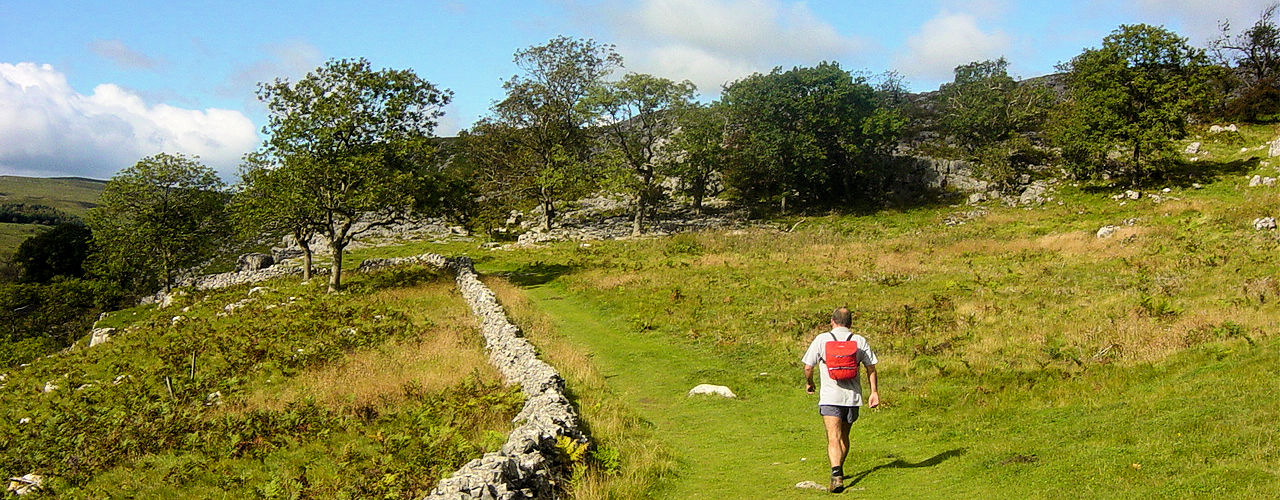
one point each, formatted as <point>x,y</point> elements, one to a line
<point>1106,231</point>
<point>49,387</point>
<point>1192,148</point>
<point>1132,195</point>
<point>29,483</point>
<point>254,262</point>
<point>1274,149</point>
<point>100,335</point>
<point>1264,223</point>
<point>717,390</point>
<point>1218,129</point>
<point>810,485</point>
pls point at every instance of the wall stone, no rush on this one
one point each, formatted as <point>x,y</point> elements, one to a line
<point>529,462</point>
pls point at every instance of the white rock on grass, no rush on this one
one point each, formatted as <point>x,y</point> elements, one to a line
<point>100,335</point>
<point>1192,148</point>
<point>49,387</point>
<point>25,484</point>
<point>1106,231</point>
<point>1274,149</point>
<point>810,485</point>
<point>1264,223</point>
<point>718,390</point>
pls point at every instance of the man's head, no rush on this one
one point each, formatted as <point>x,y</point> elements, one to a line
<point>841,317</point>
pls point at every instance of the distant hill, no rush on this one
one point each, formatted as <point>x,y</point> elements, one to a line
<point>73,195</point>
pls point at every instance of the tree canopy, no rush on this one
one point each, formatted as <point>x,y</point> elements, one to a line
<point>641,112</point>
<point>353,139</point>
<point>812,133</point>
<point>543,122</point>
<point>1129,100</point>
<point>156,218</point>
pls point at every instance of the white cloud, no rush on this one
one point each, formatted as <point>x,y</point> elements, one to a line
<point>117,52</point>
<point>714,42</point>
<point>946,41</point>
<point>291,60</point>
<point>1198,19</point>
<point>47,128</point>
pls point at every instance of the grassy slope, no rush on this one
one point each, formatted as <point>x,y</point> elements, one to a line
<point>72,195</point>
<point>1020,354</point>
<point>378,391</point>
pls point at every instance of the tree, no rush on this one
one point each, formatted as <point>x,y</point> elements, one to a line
<point>156,218</point>
<point>700,151</point>
<point>1256,51</point>
<point>641,112</point>
<point>544,119</point>
<point>274,200</point>
<point>353,139</point>
<point>812,134</point>
<point>1129,99</point>
<point>988,116</point>
<point>60,251</point>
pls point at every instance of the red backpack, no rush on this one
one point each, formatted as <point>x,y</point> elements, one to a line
<point>841,358</point>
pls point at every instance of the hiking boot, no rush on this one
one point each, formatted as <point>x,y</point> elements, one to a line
<point>837,484</point>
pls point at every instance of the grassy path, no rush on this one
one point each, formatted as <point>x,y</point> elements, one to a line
<point>757,446</point>
<point>1156,431</point>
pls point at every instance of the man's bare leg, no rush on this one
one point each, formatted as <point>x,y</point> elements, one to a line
<point>837,448</point>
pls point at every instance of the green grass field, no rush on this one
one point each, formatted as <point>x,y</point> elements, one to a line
<point>73,195</point>
<point>1021,356</point>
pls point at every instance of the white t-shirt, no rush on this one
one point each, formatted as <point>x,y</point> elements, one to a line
<point>838,392</point>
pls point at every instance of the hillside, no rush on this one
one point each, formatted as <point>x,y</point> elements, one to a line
<point>1023,354</point>
<point>73,195</point>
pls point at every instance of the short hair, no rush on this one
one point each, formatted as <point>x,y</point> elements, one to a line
<point>842,317</point>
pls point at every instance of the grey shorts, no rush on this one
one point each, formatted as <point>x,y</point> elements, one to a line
<point>847,413</point>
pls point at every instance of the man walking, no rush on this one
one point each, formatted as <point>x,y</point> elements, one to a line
<point>839,397</point>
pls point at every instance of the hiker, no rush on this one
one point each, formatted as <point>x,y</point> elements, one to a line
<point>840,394</point>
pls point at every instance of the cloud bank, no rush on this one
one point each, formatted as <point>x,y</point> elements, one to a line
<point>47,128</point>
<point>715,42</point>
<point>946,41</point>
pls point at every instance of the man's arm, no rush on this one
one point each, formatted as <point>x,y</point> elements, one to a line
<point>808,379</point>
<point>874,400</point>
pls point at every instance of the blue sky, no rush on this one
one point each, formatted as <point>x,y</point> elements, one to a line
<point>87,88</point>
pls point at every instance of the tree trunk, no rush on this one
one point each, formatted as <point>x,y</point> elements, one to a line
<point>548,211</point>
<point>638,220</point>
<point>335,276</point>
<point>306,262</point>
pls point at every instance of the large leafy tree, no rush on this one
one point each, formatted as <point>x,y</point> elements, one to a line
<point>699,151</point>
<point>812,134</point>
<point>354,139</point>
<point>60,251</point>
<point>274,200</point>
<point>160,216</point>
<point>641,111</point>
<point>1256,52</point>
<point>543,122</point>
<point>989,116</point>
<point>1130,99</point>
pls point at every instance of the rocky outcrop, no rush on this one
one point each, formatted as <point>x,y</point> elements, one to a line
<point>254,262</point>
<point>223,280</point>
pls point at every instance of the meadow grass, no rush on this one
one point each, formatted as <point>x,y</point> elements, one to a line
<point>1020,354</point>
<point>72,195</point>
<point>280,392</point>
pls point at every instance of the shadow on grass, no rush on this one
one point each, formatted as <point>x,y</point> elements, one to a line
<point>1184,174</point>
<point>536,274</point>
<point>903,464</point>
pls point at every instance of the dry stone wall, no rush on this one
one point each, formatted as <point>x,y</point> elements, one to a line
<point>530,461</point>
